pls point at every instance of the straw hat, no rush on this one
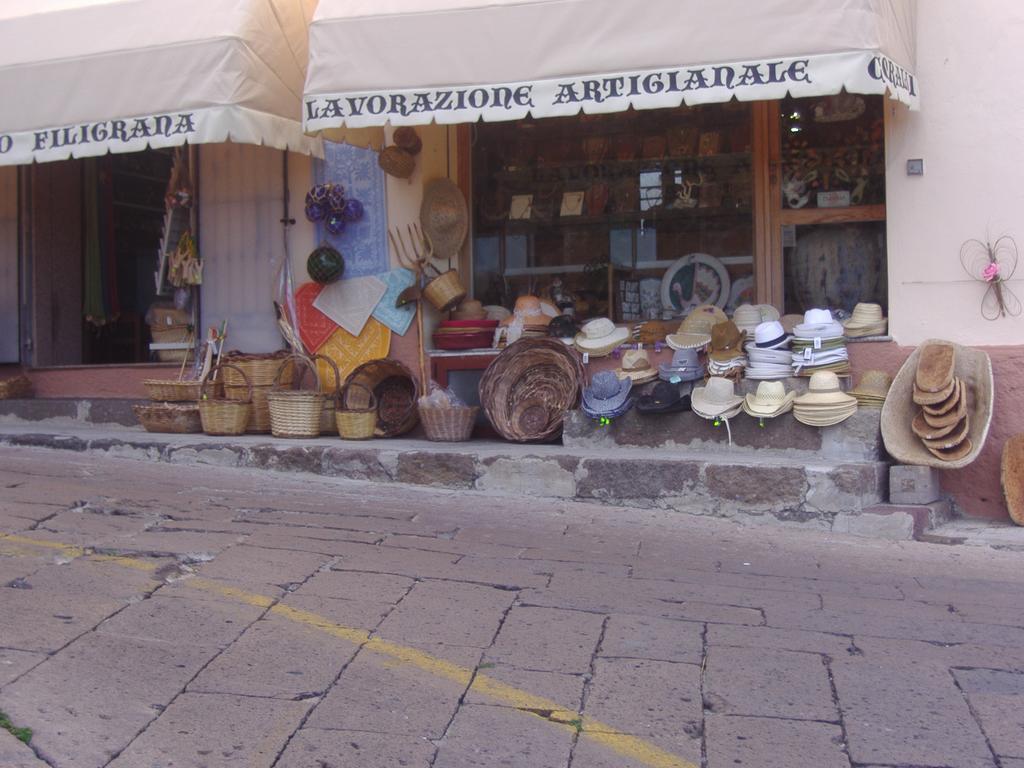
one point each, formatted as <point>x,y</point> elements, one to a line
<point>600,337</point>
<point>606,393</point>
<point>444,217</point>
<point>715,399</point>
<point>771,400</point>
<point>866,320</point>
<point>873,387</point>
<point>469,309</point>
<point>768,312</point>
<point>818,323</point>
<point>824,403</point>
<point>528,310</point>
<point>726,342</point>
<point>695,330</point>
<point>747,317</point>
<point>637,367</point>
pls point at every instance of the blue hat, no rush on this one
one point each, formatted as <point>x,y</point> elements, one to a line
<point>606,393</point>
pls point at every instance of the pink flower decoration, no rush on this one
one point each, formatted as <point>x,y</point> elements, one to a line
<point>991,272</point>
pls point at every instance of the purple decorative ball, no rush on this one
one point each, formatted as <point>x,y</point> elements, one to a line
<point>335,224</point>
<point>315,211</point>
<point>336,197</point>
<point>318,194</point>
<point>353,210</point>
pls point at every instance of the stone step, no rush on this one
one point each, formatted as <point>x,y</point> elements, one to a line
<point>70,410</point>
<point>748,486</point>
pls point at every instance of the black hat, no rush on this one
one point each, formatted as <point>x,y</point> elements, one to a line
<point>664,398</point>
<point>562,327</point>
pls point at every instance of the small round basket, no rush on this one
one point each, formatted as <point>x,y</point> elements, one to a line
<point>527,389</point>
<point>176,418</point>
<point>222,415</point>
<point>445,291</point>
<point>296,412</point>
<point>448,425</point>
<point>393,386</point>
<point>357,422</point>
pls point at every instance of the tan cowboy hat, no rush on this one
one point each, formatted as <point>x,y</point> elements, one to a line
<point>716,398</point>
<point>637,366</point>
<point>444,217</point>
<point>770,400</point>
<point>726,341</point>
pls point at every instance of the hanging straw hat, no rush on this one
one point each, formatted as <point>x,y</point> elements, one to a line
<point>444,217</point>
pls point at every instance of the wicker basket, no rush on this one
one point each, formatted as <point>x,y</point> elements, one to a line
<point>328,422</point>
<point>16,386</point>
<point>394,388</point>
<point>257,370</point>
<point>169,417</point>
<point>448,425</point>
<point>175,391</point>
<point>396,162</point>
<point>527,389</point>
<point>171,334</point>
<point>296,412</point>
<point>259,419</point>
<point>445,291</point>
<point>221,415</point>
<point>357,423</point>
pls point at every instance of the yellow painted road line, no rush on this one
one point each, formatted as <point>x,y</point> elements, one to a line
<point>630,747</point>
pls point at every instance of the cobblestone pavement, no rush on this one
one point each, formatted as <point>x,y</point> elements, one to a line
<point>156,615</point>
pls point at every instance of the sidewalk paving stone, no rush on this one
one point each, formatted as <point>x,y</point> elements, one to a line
<point>774,638</point>
<point>47,620</point>
<point>766,683</point>
<point>259,565</point>
<point>484,737</point>
<point>15,754</point>
<point>547,639</point>
<point>13,664</point>
<point>565,690</point>
<point>769,742</point>
<point>645,637</point>
<point>200,729</point>
<point>191,620</point>
<point>352,585</point>
<point>311,747</point>
<point>997,700</point>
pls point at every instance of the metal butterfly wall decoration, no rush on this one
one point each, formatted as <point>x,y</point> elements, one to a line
<point>994,265</point>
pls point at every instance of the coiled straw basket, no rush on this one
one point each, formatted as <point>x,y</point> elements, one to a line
<point>527,389</point>
<point>394,387</point>
<point>224,416</point>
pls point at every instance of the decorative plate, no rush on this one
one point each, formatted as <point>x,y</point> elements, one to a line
<point>694,279</point>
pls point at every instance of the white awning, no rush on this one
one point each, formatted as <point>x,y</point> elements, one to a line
<point>85,77</point>
<point>452,61</point>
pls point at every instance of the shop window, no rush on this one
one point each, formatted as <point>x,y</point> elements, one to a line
<point>609,208</point>
<point>832,201</point>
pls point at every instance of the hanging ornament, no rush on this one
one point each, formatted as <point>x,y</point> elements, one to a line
<point>315,211</point>
<point>325,264</point>
<point>352,210</point>
<point>335,224</point>
<point>336,197</point>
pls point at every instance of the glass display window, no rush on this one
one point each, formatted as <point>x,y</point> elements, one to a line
<point>635,215</point>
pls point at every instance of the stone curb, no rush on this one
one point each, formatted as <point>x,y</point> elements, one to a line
<point>826,496</point>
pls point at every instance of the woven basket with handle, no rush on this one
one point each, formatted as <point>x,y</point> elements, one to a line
<point>296,412</point>
<point>223,416</point>
<point>445,291</point>
<point>357,422</point>
<point>328,423</point>
<point>394,387</point>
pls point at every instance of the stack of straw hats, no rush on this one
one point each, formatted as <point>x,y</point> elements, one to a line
<point>872,389</point>
<point>818,345</point>
<point>770,400</point>
<point>867,320</point>
<point>942,423</point>
<point>768,354</point>
<point>747,317</point>
<point>824,403</point>
<point>726,357</point>
<point>600,337</point>
<point>607,396</point>
<point>695,330</point>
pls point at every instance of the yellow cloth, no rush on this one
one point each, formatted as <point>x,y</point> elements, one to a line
<point>349,352</point>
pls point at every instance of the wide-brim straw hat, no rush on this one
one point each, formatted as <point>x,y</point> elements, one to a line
<point>444,217</point>
<point>824,418</point>
<point>710,416</point>
<point>865,316</point>
<point>688,340</point>
<point>747,317</point>
<point>824,391</point>
<point>600,337</point>
<point>770,400</point>
<point>974,368</point>
<point>716,398</point>
<point>637,367</point>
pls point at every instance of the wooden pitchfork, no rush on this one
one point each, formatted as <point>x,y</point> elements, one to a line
<point>417,262</point>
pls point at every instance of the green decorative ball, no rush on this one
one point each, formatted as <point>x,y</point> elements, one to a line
<point>325,264</point>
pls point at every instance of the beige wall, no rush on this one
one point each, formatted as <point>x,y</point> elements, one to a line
<point>969,60</point>
<point>8,264</point>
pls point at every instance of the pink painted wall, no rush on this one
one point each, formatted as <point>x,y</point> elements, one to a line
<point>94,381</point>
